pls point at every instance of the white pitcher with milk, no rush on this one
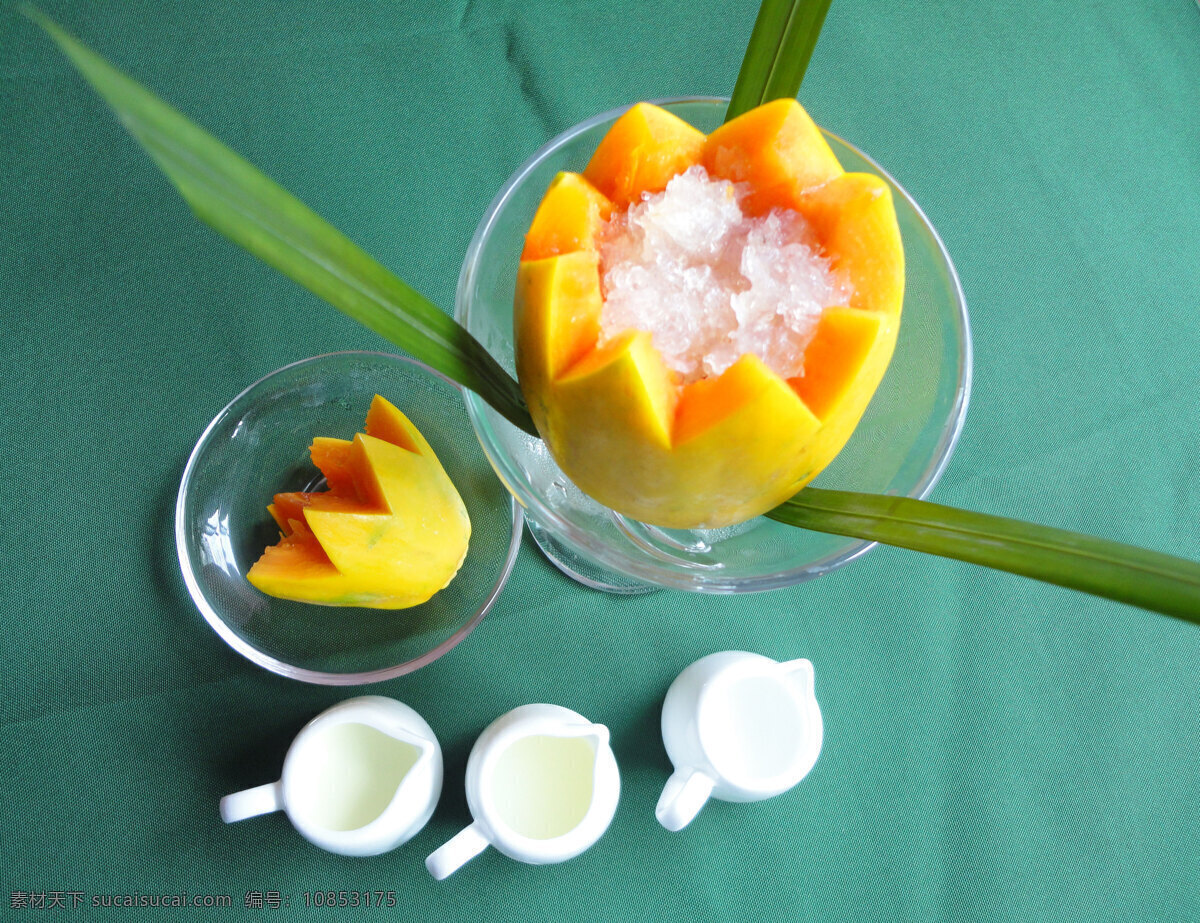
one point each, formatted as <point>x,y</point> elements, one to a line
<point>737,727</point>
<point>359,779</point>
<point>542,786</point>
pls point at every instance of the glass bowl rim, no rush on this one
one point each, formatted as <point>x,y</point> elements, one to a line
<point>274,664</point>
<point>543,514</point>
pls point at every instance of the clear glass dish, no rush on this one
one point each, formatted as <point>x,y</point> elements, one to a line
<point>901,446</point>
<point>258,446</point>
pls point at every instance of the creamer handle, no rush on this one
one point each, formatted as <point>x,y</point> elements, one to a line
<point>456,852</point>
<point>262,799</point>
<point>685,793</point>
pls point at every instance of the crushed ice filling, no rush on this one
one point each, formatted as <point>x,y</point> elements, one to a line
<point>711,284</point>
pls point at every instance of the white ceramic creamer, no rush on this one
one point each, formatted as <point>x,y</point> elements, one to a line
<point>359,779</point>
<point>737,727</point>
<point>542,786</point>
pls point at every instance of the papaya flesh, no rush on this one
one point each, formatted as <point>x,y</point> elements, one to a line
<point>390,531</point>
<point>725,449</point>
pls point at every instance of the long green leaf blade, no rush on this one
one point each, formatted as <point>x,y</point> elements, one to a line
<point>781,45</point>
<point>235,198</point>
<point>1149,579</point>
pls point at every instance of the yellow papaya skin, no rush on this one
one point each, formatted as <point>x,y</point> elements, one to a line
<point>723,450</point>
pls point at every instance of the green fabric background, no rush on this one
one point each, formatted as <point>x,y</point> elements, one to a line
<point>995,749</point>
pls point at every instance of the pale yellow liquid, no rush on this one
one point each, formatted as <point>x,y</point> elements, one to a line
<point>352,774</point>
<point>542,786</point>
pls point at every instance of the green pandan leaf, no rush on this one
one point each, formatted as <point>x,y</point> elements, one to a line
<point>785,34</point>
<point>243,203</point>
<point>1093,565</point>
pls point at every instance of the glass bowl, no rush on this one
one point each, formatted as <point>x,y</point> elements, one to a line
<point>901,446</point>
<point>258,446</point>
